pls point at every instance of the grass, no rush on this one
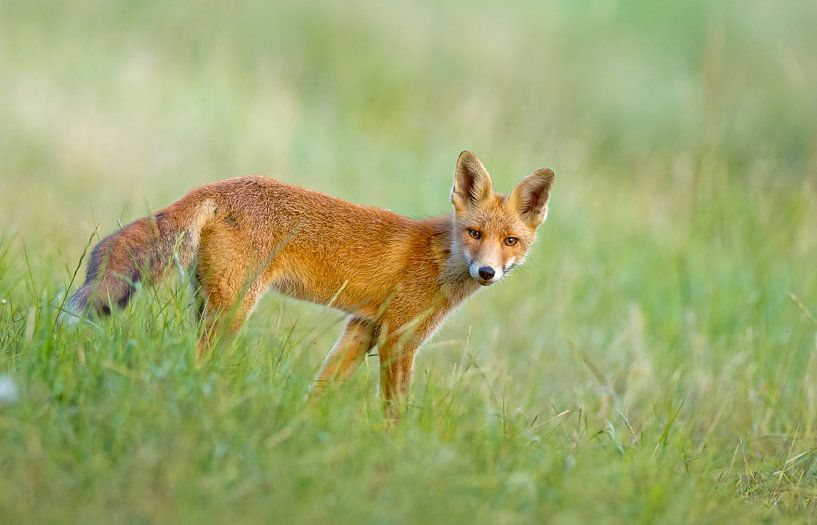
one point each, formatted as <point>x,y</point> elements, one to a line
<point>655,360</point>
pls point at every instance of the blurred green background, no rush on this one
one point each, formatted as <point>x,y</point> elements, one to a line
<point>656,359</point>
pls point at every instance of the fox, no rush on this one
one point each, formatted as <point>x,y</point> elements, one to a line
<point>396,278</point>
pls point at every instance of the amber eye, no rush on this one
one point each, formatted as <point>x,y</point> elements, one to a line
<point>474,234</point>
<point>511,241</point>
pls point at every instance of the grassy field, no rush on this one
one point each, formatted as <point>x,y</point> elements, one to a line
<point>654,362</point>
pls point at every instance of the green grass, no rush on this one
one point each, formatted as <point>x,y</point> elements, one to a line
<point>655,361</point>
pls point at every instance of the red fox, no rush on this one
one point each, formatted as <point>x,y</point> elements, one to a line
<point>396,277</point>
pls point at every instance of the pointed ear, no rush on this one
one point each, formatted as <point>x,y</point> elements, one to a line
<point>530,196</point>
<point>472,184</point>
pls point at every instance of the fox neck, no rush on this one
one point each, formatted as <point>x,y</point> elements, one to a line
<point>455,280</point>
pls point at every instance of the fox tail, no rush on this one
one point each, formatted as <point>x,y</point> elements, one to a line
<point>140,252</point>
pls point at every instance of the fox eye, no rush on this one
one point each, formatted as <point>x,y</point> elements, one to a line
<point>511,241</point>
<point>474,234</point>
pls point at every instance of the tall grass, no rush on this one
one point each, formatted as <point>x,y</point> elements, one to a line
<point>655,360</point>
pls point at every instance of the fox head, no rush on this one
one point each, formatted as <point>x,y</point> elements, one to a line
<point>493,232</point>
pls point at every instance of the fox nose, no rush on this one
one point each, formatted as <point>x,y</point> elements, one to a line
<point>486,272</point>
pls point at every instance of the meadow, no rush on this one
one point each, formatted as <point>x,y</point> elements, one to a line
<point>655,361</point>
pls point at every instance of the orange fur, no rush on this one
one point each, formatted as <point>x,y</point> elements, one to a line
<point>396,277</point>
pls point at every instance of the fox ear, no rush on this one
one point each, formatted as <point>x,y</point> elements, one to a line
<point>472,184</point>
<point>530,196</point>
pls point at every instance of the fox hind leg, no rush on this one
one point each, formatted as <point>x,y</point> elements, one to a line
<point>225,296</point>
<point>222,315</point>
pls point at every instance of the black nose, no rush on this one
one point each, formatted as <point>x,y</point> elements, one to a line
<point>486,272</point>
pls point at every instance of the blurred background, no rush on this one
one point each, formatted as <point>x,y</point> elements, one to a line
<point>106,105</point>
<point>683,135</point>
<point>676,269</point>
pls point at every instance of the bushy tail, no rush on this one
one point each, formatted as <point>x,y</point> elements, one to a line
<point>140,252</point>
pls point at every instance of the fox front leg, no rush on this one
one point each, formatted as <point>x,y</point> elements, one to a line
<point>396,370</point>
<point>347,354</point>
